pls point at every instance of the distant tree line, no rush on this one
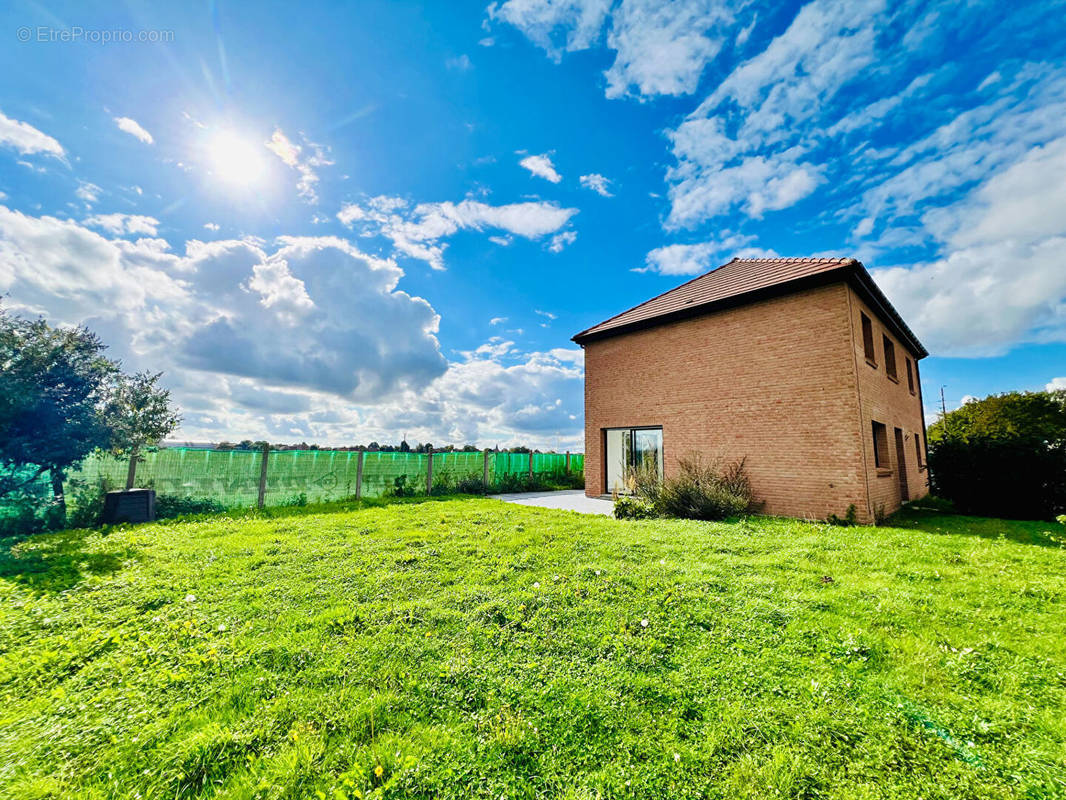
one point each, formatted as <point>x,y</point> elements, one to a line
<point>374,447</point>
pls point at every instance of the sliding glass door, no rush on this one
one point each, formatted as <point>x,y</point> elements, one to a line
<point>629,448</point>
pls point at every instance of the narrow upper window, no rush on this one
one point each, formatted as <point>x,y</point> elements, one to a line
<point>880,445</point>
<point>918,449</point>
<point>868,339</point>
<point>910,376</point>
<point>890,358</point>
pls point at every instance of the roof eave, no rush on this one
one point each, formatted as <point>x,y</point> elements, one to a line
<point>699,309</point>
<point>854,273</point>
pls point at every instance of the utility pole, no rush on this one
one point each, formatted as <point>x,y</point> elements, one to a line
<point>943,405</point>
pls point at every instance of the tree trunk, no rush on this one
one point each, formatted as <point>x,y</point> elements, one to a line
<point>57,493</point>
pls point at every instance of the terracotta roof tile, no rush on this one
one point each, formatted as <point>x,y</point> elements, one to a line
<point>732,282</point>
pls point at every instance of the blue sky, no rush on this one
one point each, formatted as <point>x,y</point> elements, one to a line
<point>338,223</point>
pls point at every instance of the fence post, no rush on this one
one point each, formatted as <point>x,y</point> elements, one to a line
<point>485,469</point>
<point>531,465</point>
<point>429,470</point>
<point>567,462</point>
<point>131,473</point>
<point>359,476</point>
<point>263,476</point>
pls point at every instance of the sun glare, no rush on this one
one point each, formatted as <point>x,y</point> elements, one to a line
<point>236,160</point>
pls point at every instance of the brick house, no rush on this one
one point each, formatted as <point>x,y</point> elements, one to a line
<point>799,365</point>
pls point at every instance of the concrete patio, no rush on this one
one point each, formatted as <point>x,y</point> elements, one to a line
<point>566,500</point>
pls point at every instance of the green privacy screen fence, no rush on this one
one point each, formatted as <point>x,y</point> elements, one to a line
<point>232,477</point>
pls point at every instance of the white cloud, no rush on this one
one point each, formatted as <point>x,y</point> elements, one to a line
<point>26,139</point>
<point>660,48</point>
<point>560,241</point>
<point>556,26</point>
<point>692,259</point>
<point>1056,384</point>
<point>497,320</point>
<point>87,192</point>
<point>663,48</point>
<point>211,226</point>
<point>1002,279</point>
<point>134,129</point>
<point>119,224</point>
<point>542,167</point>
<point>460,63</point>
<point>597,183</point>
<point>417,232</point>
<point>310,313</point>
<point>306,164</point>
<point>547,314</point>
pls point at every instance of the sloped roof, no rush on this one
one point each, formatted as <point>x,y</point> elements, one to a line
<point>746,280</point>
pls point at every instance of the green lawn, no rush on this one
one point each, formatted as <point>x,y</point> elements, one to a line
<point>467,648</point>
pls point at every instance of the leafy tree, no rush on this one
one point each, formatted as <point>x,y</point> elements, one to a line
<point>139,414</point>
<point>52,384</point>
<point>1003,456</point>
<point>1035,415</point>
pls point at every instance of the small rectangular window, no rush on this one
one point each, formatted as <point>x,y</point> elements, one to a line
<point>868,339</point>
<point>918,449</point>
<point>880,445</point>
<point>890,357</point>
<point>910,376</point>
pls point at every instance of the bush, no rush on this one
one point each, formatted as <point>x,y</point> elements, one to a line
<point>400,488</point>
<point>85,502</point>
<point>171,505</point>
<point>1016,477</point>
<point>708,492</point>
<point>28,513</point>
<point>471,484</point>
<point>633,508</point>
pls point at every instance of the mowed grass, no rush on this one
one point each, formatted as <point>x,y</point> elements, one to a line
<point>468,648</point>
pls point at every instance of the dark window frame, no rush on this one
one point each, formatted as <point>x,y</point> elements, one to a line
<point>868,339</point>
<point>889,348</point>
<point>910,375</point>
<point>632,439</point>
<point>880,439</point>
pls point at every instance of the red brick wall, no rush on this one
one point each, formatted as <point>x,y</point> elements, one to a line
<point>773,382</point>
<point>776,382</point>
<point>891,403</point>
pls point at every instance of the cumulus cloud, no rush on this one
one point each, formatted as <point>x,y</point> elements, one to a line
<point>597,183</point>
<point>134,129</point>
<point>542,167</point>
<point>1056,384</point>
<point>418,231</point>
<point>120,224</point>
<point>302,338</point>
<point>692,259</point>
<point>27,140</point>
<point>312,313</point>
<point>305,159</point>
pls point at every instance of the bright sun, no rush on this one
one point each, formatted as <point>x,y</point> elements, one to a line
<point>236,160</point>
